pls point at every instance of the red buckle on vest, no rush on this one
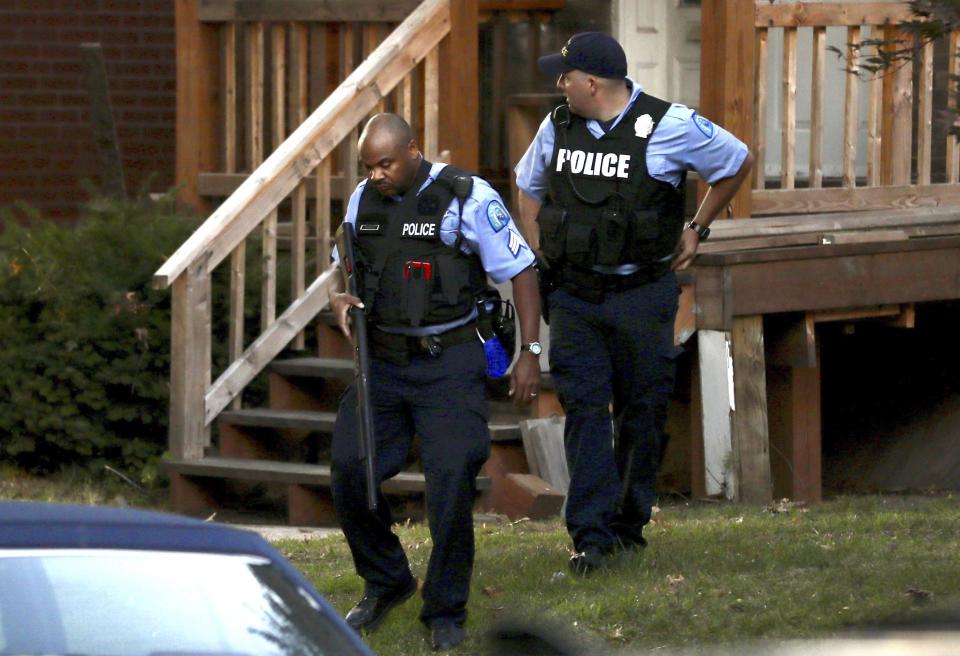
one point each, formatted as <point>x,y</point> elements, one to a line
<point>425,268</point>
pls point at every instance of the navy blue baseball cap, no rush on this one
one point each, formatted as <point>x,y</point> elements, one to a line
<point>596,53</point>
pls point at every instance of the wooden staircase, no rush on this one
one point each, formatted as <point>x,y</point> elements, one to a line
<point>285,447</point>
<point>222,453</point>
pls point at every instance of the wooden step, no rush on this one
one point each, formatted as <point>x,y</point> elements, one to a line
<point>502,429</point>
<point>279,419</point>
<point>265,471</point>
<point>505,429</point>
<point>314,368</point>
<point>342,369</point>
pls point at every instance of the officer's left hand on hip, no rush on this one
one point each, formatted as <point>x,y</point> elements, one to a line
<point>686,250</point>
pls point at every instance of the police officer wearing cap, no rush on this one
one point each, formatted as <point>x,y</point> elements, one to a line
<point>428,236</point>
<point>602,203</point>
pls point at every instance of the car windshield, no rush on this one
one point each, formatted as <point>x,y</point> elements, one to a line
<point>133,603</point>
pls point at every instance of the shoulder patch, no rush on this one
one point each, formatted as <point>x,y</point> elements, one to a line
<point>704,125</point>
<point>497,215</point>
<point>514,243</point>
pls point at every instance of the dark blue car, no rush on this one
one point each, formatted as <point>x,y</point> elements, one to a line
<point>107,581</point>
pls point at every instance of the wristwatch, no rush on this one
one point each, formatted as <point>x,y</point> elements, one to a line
<point>534,347</point>
<point>701,231</point>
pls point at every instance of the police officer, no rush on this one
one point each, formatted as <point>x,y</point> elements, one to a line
<point>428,235</point>
<point>602,201</point>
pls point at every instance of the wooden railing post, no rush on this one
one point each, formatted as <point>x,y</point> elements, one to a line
<point>727,76</point>
<point>198,72</point>
<point>190,343</point>
<point>727,89</point>
<point>459,109</point>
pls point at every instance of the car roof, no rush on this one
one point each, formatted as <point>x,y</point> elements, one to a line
<point>34,525</point>
<point>26,524</point>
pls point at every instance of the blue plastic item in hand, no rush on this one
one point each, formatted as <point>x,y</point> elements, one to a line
<point>497,359</point>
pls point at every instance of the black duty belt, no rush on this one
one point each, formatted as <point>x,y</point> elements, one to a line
<point>398,349</point>
<point>592,286</point>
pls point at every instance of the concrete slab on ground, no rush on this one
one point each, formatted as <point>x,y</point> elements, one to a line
<point>299,533</point>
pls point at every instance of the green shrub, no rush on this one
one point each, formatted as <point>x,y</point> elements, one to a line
<point>84,339</point>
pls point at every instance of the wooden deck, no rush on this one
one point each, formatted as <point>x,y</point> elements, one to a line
<point>782,294</point>
<point>870,249</point>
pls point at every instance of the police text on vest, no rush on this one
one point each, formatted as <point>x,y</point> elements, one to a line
<point>419,230</point>
<point>606,165</point>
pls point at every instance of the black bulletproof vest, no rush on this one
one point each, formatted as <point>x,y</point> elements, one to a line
<point>603,207</point>
<point>409,276</point>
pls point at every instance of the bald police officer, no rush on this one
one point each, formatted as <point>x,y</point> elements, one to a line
<point>602,200</point>
<point>428,235</point>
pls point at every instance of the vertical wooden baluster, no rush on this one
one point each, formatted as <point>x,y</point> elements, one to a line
<point>235,303</point>
<point>298,114</point>
<point>875,119</point>
<point>851,108</point>
<point>254,95</point>
<point>268,294</point>
<point>760,110</point>
<point>788,164</point>
<point>322,214</point>
<point>816,107</point>
<point>897,140</point>
<point>406,98</point>
<point>349,145</point>
<point>229,84</point>
<point>372,37</point>
<point>431,104</point>
<point>925,118</point>
<point>254,155</point>
<point>953,69</point>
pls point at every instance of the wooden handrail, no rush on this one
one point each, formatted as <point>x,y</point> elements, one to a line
<point>310,143</point>
<point>268,345</point>
<point>823,14</point>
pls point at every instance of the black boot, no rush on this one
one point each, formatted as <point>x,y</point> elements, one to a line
<point>590,560</point>
<point>371,610</point>
<point>445,635</point>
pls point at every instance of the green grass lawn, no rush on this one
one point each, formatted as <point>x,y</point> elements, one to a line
<point>713,574</point>
<point>78,486</point>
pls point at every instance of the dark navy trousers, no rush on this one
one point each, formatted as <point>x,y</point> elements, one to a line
<point>442,400</point>
<point>619,351</point>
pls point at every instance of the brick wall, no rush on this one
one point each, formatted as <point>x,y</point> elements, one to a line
<point>46,143</point>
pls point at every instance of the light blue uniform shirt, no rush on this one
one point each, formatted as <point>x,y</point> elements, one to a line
<point>682,141</point>
<point>487,228</point>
